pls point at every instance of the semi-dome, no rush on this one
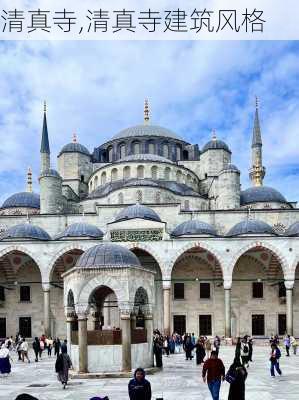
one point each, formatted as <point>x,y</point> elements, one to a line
<point>74,147</point>
<point>25,231</point>
<point>215,144</point>
<point>22,199</point>
<point>81,230</point>
<point>146,130</point>
<point>145,157</point>
<point>251,227</point>
<point>137,211</point>
<point>107,255</point>
<point>261,194</point>
<point>293,230</point>
<point>194,227</point>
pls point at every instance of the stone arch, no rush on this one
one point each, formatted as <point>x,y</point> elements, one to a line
<point>141,297</point>
<point>146,247</point>
<point>20,249</point>
<point>126,172</point>
<point>293,268</point>
<point>267,246</point>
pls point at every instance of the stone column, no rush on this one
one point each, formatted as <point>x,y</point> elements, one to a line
<point>125,320</point>
<point>70,318</point>
<point>149,333</point>
<point>227,301</point>
<point>289,304</point>
<point>47,326</point>
<point>166,306</point>
<point>81,311</point>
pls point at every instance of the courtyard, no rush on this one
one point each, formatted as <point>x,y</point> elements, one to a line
<point>179,379</point>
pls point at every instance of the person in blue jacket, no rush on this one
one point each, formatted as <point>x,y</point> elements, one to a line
<point>139,388</point>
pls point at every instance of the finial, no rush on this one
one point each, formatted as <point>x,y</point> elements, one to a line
<point>74,137</point>
<point>146,111</point>
<point>214,137</point>
<point>45,106</point>
<point>29,180</point>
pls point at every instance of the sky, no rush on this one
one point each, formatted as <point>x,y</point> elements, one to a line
<point>98,88</point>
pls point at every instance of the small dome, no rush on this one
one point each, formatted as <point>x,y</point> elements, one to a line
<point>74,147</point>
<point>107,255</point>
<point>22,199</point>
<point>80,230</point>
<point>194,227</point>
<point>215,144</point>
<point>293,230</point>
<point>137,211</point>
<point>25,231</point>
<point>146,130</point>
<point>145,157</point>
<point>251,226</point>
<point>261,194</point>
<point>50,172</point>
<point>231,167</point>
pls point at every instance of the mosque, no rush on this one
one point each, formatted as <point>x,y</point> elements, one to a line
<point>148,231</point>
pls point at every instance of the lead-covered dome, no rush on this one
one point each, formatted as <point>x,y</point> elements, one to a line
<point>50,173</point>
<point>146,130</point>
<point>263,194</point>
<point>107,255</point>
<point>74,147</point>
<point>251,227</point>
<point>137,211</point>
<point>22,199</point>
<point>80,229</point>
<point>194,227</point>
<point>25,231</point>
<point>145,157</point>
<point>215,144</point>
<point>293,230</point>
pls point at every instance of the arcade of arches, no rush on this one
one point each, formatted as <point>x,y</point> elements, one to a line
<point>195,298</point>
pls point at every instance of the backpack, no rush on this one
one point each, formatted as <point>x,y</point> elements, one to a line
<point>245,349</point>
<point>230,377</point>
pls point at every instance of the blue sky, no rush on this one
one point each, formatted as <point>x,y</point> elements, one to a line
<point>98,88</point>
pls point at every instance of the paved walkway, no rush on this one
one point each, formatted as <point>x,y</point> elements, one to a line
<point>179,380</point>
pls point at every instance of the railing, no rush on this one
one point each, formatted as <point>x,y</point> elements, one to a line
<point>110,337</point>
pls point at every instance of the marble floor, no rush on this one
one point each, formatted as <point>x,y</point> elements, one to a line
<point>179,380</point>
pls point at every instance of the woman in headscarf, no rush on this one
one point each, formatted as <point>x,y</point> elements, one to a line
<point>236,376</point>
<point>62,366</point>
<point>200,351</point>
<point>139,388</point>
<point>5,366</point>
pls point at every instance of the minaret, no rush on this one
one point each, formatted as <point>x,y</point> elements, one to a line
<point>29,181</point>
<point>146,112</point>
<point>45,147</point>
<point>257,171</point>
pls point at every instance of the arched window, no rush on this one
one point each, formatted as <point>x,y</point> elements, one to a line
<point>167,174</point>
<point>122,150</point>
<point>178,153</point>
<point>110,153</point>
<point>151,148</point>
<point>154,172</point>
<point>103,178</point>
<point>96,182</point>
<point>136,148</point>
<point>186,205</point>
<point>179,177</point>
<point>139,196</point>
<point>140,172</point>
<point>120,198</point>
<point>126,172</point>
<point>114,174</point>
<point>165,150</point>
<point>158,197</point>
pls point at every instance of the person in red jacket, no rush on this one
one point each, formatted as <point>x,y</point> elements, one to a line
<point>215,371</point>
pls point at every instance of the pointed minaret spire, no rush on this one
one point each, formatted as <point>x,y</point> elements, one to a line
<point>29,181</point>
<point>146,112</point>
<point>45,147</point>
<point>257,171</point>
<point>74,137</point>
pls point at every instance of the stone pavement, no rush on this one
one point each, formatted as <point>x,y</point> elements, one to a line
<point>179,380</point>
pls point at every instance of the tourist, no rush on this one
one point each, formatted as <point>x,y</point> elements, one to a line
<point>193,339</point>
<point>49,344</point>
<point>139,388</point>
<point>215,371</point>
<point>19,341</point>
<point>217,342</point>
<point>238,349</point>
<point>200,352</point>
<point>62,366</point>
<point>208,347</point>
<point>236,377</point>
<point>171,344</point>
<point>245,352</point>
<point>157,348</point>
<point>188,347</point>
<point>56,345</point>
<point>5,366</point>
<point>41,347</point>
<point>36,348</point>
<point>166,345</point>
<point>274,359</point>
<point>24,350</point>
<point>64,346</point>
<point>250,345</point>
<point>287,344</point>
<point>294,344</point>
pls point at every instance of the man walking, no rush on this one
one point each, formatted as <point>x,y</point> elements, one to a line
<point>274,359</point>
<point>215,371</point>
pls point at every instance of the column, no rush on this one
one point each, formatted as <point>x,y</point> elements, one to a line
<point>166,304</point>
<point>47,328</point>
<point>289,303</point>
<point>125,321</point>
<point>69,322</point>
<point>82,342</point>
<point>149,332</point>
<point>227,300</point>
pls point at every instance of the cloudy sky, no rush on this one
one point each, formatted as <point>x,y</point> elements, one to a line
<point>98,88</point>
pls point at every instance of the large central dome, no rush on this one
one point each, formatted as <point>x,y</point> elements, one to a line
<point>146,130</point>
